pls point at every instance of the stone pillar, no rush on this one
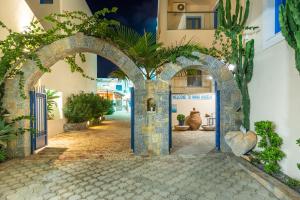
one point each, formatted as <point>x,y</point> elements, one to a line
<point>152,127</point>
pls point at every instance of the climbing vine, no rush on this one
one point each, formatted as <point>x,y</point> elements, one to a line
<point>17,48</point>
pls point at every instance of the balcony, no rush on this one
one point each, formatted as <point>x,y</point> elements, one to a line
<point>192,84</point>
<point>192,20</point>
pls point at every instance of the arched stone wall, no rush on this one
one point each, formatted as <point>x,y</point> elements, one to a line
<point>151,128</point>
<point>49,55</point>
<point>230,94</point>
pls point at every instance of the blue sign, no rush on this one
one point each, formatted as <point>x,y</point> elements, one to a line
<point>192,97</point>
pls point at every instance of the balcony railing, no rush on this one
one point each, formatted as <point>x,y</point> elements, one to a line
<point>192,20</point>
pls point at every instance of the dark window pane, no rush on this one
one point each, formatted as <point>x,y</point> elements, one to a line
<point>193,22</point>
<point>46,1</point>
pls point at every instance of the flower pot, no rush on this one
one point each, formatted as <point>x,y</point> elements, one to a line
<point>181,123</point>
<point>75,126</point>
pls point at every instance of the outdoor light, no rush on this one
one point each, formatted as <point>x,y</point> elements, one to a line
<point>210,78</point>
<point>231,67</point>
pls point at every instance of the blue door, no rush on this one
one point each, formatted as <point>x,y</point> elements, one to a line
<point>170,119</point>
<point>38,122</point>
<point>132,103</point>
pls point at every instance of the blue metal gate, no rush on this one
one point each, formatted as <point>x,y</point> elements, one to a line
<point>170,119</point>
<point>38,122</point>
<point>132,117</point>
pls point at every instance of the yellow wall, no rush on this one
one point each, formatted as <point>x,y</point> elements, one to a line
<point>275,86</point>
<point>173,37</point>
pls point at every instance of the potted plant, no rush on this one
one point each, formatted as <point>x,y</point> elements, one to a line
<point>181,119</point>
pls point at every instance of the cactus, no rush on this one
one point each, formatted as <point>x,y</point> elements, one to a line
<point>233,25</point>
<point>290,26</point>
<point>243,75</point>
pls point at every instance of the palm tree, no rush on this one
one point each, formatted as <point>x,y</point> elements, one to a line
<point>148,55</point>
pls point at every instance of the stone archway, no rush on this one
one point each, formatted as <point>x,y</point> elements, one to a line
<point>49,55</point>
<point>230,118</point>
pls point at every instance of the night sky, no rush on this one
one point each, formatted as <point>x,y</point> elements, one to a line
<point>138,14</point>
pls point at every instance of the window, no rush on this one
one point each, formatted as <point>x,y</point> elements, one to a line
<point>193,22</point>
<point>119,87</point>
<point>194,79</point>
<point>46,1</point>
<point>277,23</point>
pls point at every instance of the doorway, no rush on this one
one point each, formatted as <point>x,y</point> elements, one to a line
<point>194,99</point>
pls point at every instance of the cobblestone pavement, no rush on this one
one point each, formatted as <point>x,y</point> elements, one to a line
<point>68,171</point>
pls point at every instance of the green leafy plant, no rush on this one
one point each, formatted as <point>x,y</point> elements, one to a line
<point>270,144</point>
<point>3,153</point>
<point>110,111</point>
<point>289,18</point>
<point>8,132</point>
<point>17,48</point>
<point>293,182</point>
<point>51,103</point>
<point>180,117</point>
<point>148,55</point>
<point>86,107</point>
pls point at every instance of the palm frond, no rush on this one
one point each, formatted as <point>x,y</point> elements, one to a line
<point>119,74</point>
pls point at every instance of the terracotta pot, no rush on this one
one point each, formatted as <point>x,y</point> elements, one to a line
<point>194,120</point>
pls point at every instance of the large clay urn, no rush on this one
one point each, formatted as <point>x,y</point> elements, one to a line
<point>194,120</point>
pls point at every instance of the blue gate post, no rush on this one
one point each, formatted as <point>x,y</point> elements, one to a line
<point>170,119</point>
<point>218,118</point>
<point>132,102</point>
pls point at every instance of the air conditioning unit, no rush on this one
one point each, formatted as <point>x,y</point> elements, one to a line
<point>179,7</point>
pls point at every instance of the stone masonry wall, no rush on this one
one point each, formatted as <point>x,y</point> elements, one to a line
<point>152,127</point>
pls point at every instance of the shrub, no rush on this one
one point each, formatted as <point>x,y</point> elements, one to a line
<point>85,106</point>
<point>270,143</point>
<point>110,111</point>
<point>8,132</point>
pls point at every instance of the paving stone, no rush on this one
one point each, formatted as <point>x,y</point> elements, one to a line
<point>210,176</point>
